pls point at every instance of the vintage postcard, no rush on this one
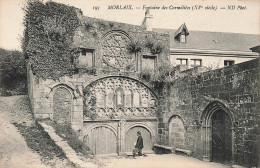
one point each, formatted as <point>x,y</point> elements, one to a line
<point>134,84</point>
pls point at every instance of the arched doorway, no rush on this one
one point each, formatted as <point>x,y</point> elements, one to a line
<point>176,132</point>
<point>221,137</point>
<point>101,140</point>
<point>218,133</point>
<point>131,137</point>
<point>125,103</point>
<point>62,105</point>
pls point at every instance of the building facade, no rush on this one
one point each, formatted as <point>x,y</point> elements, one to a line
<point>104,101</point>
<point>214,114</point>
<point>209,49</point>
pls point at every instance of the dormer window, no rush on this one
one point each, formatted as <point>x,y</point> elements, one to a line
<point>181,34</point>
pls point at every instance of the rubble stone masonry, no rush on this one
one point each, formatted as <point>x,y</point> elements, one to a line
<point>235,88</point>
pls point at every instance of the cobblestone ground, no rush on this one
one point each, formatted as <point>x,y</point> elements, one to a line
<point>158,161</point>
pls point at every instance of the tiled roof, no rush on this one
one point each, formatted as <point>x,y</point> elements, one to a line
<point>256,49</point>
<point>213,40</point>
<point>179,30</point>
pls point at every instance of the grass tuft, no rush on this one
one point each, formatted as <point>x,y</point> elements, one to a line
<point>40,142</point>
<point>69,135</point>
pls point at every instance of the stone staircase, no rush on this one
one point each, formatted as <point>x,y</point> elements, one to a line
<point>72,156</point>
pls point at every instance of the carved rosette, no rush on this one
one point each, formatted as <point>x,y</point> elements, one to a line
<point>114,51</point>
<point>119,97</point>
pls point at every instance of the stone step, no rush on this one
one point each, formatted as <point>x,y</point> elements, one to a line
<point>69,152</point>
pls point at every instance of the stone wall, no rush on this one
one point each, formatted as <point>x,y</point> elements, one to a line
<point>234,89</point>
<point>186,105</point>
<point>106,39</point>
<point>101,49</point>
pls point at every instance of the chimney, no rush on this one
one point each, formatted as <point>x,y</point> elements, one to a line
<point>148,21</point>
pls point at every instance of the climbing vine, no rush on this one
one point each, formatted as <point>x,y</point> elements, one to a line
<point>49,30</point>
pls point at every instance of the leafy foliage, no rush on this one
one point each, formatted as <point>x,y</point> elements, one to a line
<point>49,30</point>
<point>39,141</point>
<point>165,73</point>
<point>134,47</point>
<point>68,134</point>
<point>154,46</point>
<point>13,72</point>
<point>146,74</point>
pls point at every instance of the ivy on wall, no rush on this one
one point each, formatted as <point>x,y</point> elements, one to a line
<point>49,30</point>
<point>54,32</point>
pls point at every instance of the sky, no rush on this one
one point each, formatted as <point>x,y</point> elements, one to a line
<point>239,16</point>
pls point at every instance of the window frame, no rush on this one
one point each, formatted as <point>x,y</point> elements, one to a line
<point>92,51</point>
<point>183,38</point>
<point>194,62</point>
<point>181,59</point>
<point>233,62</point>
<point>147,56</point>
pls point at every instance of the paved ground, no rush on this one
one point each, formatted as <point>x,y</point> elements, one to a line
<point>158,161</point>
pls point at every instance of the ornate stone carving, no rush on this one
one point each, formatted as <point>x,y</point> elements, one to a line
<point>119,97</point>
<point>114,51</point>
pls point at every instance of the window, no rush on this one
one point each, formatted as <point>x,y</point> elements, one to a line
<point>148,62</point>
<point>181,61</point>
<point>86,58</point>
<point>183,38</point>
<point>228,63</point>
<point>196,62</point>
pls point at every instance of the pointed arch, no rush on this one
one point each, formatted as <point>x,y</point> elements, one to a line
<point>206,119</point>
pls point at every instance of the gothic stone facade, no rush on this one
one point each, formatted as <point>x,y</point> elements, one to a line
<point>214,114</point>
<point>109,106</point>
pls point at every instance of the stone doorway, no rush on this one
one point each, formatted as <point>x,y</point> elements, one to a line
<point>62,105</point>
<point>176,132</point>
<point>131,137</point>
<point>218,133</point>
<point>120,102</point>
<point>101,140</point>
<point>221,137</point>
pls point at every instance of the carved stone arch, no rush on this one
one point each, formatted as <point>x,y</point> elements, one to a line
<point>67,84</point>
<point>175,115</point>
<point>49,89</point>
<point>117,31</point>
<point>141,125</point>
<point>131,136</point>
<point>212,107</point>
<point>100,125</point>
<point>207,117</point>
<point>126,77</point>
<point>114,90</point>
